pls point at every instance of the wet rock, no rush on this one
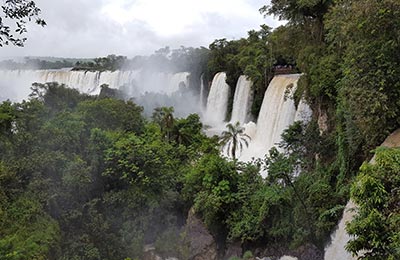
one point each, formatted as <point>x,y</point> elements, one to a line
<point>233,250</point>
<point>309,252</point>
<point>202,245</point>
<point>323,122</point>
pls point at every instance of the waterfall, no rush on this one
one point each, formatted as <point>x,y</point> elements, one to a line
<point>339,238</point>
<point>202,93</point>
<point>242,101</point>
<point>336,249</point>
<point>84,81</point>
<point>277,112</point>
<point>15,84</point>
<point>288,258</point>
<point>303,112</point>
<point>177,81</point>
<point>217,101</point>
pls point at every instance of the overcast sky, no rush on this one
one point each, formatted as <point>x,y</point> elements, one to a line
<point>93,28</point>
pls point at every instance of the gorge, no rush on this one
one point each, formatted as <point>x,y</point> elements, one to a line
<point>278,110</point>
<point>255,144</point>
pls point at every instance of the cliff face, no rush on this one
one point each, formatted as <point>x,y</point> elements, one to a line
<point>336,250</point>
<point>392,140</point>
<point>201,243</point>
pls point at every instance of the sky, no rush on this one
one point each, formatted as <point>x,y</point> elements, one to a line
<point>94,28</point>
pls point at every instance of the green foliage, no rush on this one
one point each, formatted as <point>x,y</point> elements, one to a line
<point>349,55</point>
<point>252,57</point>
<point>87,178</point>
<point>229,197</point>
<point>164,117</point>
<point>188,131</point>
<point>376,192</point>
<point>248,255</point>
<point>348,52</point>
<point>308,13</point>
<point>233,139</point>
<point>144,164</point>
<point>210,185</point>
<point>7,116</point>
<point>27,232</point>
<point>57,97</point>
<point>112,114</point>
<point>369,88</point>
<point>38,63</point>
<point>20,12</point>
<point>111,62</point>
<point>306,205</point>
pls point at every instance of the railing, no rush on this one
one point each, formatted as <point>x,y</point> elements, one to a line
<point>286,69</point>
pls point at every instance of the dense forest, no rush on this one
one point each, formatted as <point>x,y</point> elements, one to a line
<point>90,177</point>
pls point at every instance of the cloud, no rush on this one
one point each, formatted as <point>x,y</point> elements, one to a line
<point>91,28</point>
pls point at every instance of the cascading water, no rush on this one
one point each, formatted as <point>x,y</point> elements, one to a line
<point>84,81</point>
<point>15,84</point>
<point>203,98</point>
<point>242,101</point>
<point>339,238</point>
<point>277,112</point>
<point>176,82</point>
<point>304,112</point>
<point>217,101</point>
<point>287,258</point>
<point>336,249</point>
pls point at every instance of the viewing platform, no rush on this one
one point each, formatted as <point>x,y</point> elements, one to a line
<point>284,69</point>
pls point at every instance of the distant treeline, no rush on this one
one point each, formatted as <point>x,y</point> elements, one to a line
<point>164,60</point>
<point>39,63</point>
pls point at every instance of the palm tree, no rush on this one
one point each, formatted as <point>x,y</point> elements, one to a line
<point>234,139</point>
<point>168,122</point>
<point>164,117</point>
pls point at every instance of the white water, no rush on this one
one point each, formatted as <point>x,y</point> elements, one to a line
<point>217,101</point>
<point>203,98</point>
<point>336,250</point>
<point>288,258</point>
<point>277,112</point>
<point>242,101</point>
<point>250,129</point>
<point>176,81</point>
<point>15,84</point>
<point>339,238</point>
<point>304,112</point>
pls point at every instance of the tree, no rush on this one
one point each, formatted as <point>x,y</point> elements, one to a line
<point>20,11</point>
<point>165,118</point>
<point>376,226</point>
<point>234,139</point>
<point>368,36</point>
<point>187,131</point>
<point>306,12</point>
<point>211,185</point>
<point>57,97</point>
<point>7,116</point>
<point>112,114</point>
